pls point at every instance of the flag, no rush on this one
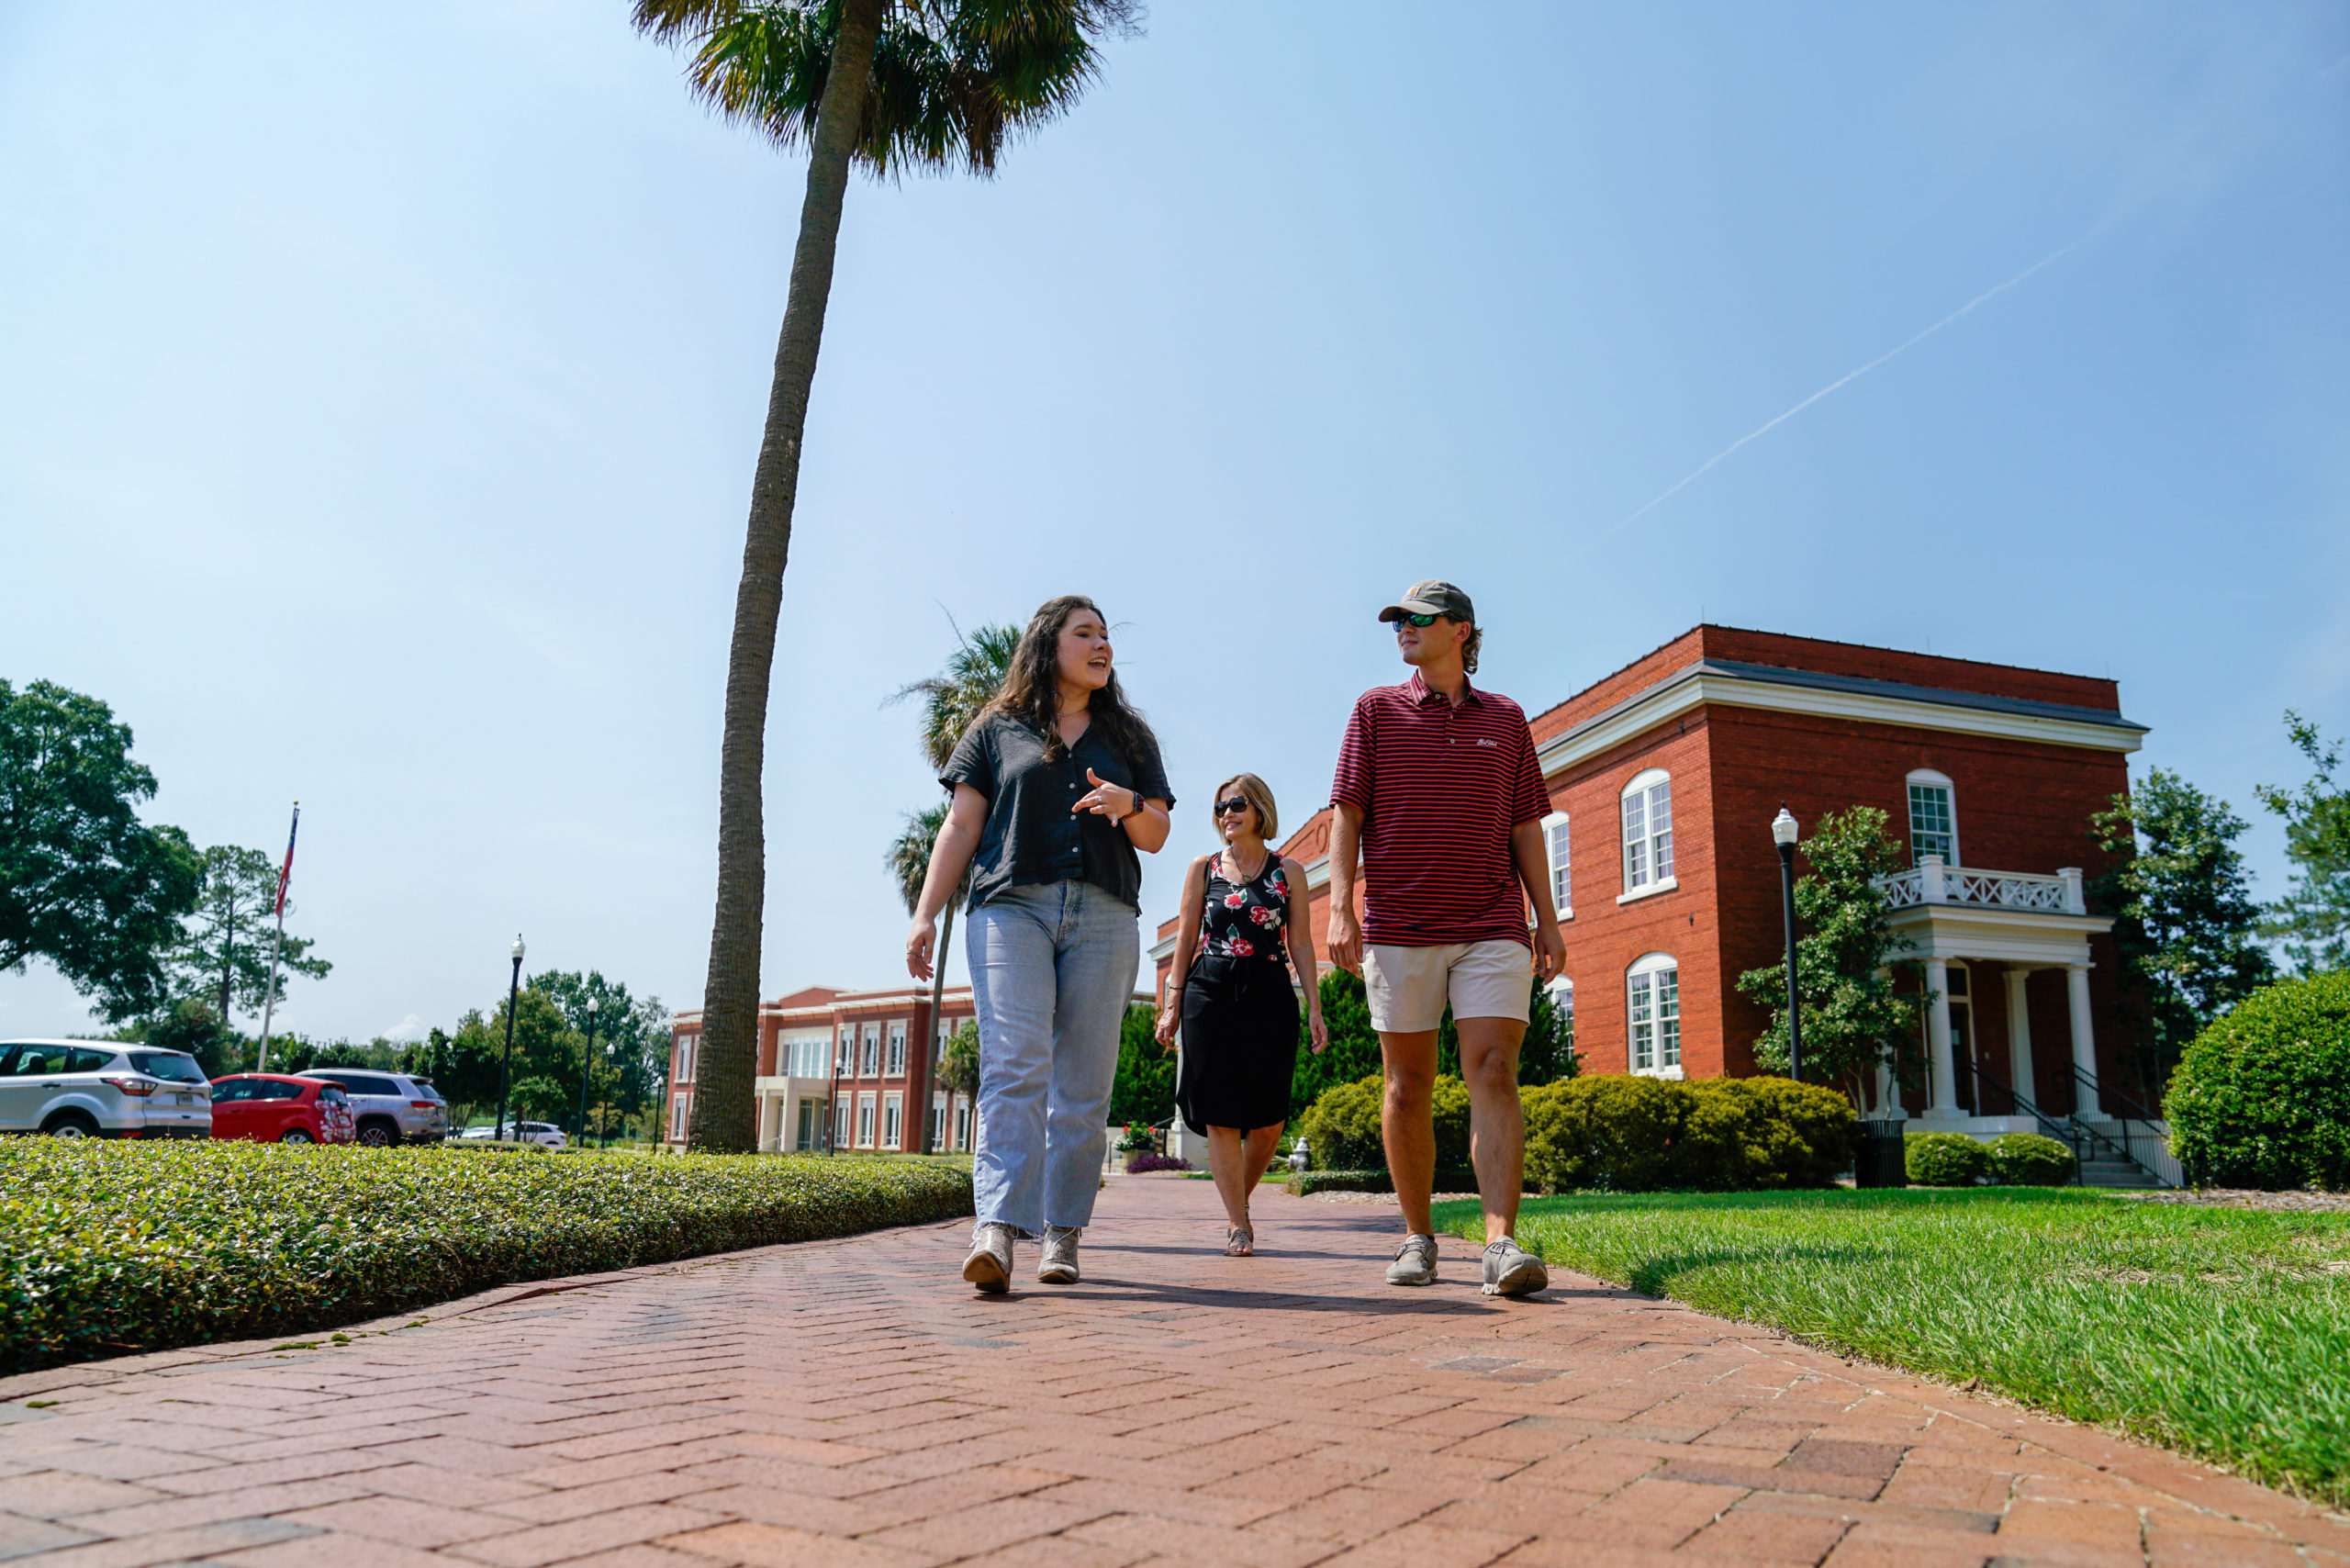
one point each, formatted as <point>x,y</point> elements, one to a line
<point>285,875</point>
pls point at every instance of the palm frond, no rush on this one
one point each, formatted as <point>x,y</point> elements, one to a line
<point>908,858</point>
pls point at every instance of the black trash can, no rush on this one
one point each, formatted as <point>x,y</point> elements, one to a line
<point>1878,1156</point>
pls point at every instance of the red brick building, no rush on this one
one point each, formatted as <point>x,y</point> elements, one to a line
<point>1665,776</point>
<point>840,1068</point>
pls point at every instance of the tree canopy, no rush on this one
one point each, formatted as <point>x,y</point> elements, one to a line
<point>2184,913</point>
<point>222,953</point>
<point>2312,920</point>
<point>83,883</point>
<point>1853,1017</point>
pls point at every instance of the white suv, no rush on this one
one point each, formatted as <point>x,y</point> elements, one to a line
<point>97,1089</point>
<point>389,1107</point>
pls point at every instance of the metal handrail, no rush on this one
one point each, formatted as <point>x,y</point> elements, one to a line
<point>2125,1109</point>
<point>2067,1133</point>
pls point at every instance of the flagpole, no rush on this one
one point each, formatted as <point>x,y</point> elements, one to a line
<point>269,999</point>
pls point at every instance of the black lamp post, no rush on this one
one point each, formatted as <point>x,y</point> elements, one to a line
<point>587,1056</point>
<point>506,1071</point>
<point>1782,833</point>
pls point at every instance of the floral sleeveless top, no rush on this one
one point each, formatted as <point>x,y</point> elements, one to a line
<point>1244,920</point>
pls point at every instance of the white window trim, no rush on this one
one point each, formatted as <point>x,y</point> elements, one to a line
<point>1641,783</point>
<point>1666,886</point>
<point>1648,964</point>
<point>1561,819</point>
<point>1940,780</point>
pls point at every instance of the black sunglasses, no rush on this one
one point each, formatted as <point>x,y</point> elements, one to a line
<point>1419,619</point>
<point>1237,804</point>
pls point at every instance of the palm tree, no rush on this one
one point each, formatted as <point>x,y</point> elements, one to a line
<point>951,699</point>
<point>890,84</point>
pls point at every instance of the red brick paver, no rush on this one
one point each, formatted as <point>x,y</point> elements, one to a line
<point>852,1403</point>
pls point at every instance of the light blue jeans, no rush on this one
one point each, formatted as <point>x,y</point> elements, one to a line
<point>1052,970</point>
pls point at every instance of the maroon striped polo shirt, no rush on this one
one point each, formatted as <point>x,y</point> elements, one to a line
<point>1440,788</point>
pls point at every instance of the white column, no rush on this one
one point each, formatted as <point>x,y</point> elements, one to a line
<point>770,1106</point>
<point>2076,984</point>
<point>1941,1092</point>
<point>2020,1034</point>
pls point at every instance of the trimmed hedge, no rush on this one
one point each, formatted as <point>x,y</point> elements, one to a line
<point>1306,1184</point>
<point>1616,1133</point>
<point>1945,1159</point>
<point>2262,1096</point>
<point>107,1247</point>
<point>2029,1159</point>
<point>1341,1128</point>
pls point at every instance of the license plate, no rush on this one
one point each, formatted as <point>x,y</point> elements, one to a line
<point>184,1099</point>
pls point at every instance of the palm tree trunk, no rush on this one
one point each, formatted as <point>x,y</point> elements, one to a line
<point>722,1117</point>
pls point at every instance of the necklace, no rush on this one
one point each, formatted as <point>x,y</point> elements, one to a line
<point>1230,865</point>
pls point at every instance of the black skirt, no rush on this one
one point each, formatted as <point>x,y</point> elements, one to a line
<point>1239,1044</point>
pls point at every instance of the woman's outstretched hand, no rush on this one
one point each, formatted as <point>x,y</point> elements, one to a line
<point>1108,800</point>
<point>1319,1032</point>
<point>919,943</point>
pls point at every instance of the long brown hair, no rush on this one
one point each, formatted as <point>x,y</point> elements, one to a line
<point>1032,687</point>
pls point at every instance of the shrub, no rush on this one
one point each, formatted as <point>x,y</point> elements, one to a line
<point>1140,1163</point>
<point>107,1248</point>
<point>1945,1159</point>
<point>1632,1135</point>
<point>1306,1184</point>
<point>2028,1160</point>
<point>2262,1097</point>
<point>1342,1126</point>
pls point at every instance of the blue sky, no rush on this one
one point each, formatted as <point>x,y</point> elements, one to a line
<point>379,388</point>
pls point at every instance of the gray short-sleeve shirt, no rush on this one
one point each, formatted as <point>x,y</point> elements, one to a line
<point>1032,835</point>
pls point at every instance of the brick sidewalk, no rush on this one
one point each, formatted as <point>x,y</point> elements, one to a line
<point>851,1404</point>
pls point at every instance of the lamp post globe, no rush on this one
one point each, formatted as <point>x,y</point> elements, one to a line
<point>1785,831</point>
<point>586,1057</point>
<point>506,1069</point>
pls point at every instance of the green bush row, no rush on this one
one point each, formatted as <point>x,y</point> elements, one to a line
<point>2262,1096</point>
<point>2010,1159</point>
<point>1306,1184</point>
<point>1613,1132</point>
<point>107,1247</point>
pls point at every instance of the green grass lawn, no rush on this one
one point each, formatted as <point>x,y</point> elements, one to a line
<point>2222,1332</point>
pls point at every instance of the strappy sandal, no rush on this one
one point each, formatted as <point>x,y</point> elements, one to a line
<point>1239,1241</point>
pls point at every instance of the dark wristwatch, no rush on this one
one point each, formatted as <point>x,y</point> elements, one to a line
<point>1138,795</point>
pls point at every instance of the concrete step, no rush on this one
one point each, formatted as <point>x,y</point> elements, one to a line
<point>2117,1173</point>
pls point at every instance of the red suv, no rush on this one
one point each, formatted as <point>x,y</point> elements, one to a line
<point>269,1107</point>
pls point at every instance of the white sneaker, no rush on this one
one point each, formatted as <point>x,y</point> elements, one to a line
<point>1058,1266</point>
<point>990,1265</point>
<point>1511,1270</point>
<point>1415,1262</point>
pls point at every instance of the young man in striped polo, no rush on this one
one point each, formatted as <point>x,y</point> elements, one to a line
<point>1438,790</point>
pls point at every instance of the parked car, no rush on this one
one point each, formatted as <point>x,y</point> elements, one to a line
<point>272,1107</point>
<point>95,1089</point>
<point>520,1132</point>
<point>390,1107</point>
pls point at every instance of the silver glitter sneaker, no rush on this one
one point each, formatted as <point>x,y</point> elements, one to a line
<point>990,1265</point>
<point>1415,1262</point>
<point>1058,1266</point>
<point>1511,1270</point>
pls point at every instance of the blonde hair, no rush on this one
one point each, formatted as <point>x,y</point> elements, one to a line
<point>1253,791</point>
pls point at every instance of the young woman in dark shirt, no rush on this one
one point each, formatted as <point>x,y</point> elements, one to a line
<point>1242,927</point>
<point>1056,784</point>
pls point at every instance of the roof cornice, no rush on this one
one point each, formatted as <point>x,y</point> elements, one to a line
<point>1730,684</point>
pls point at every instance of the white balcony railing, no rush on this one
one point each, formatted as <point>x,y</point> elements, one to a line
<point>1931,881</point>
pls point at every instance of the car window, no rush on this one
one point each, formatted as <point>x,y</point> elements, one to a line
<point>424,1091</point>
<point>170,1064</point>
<point>40,1062</point>
<point>87,1060</point>
<point>233,1090</point>
<point>360,1083</point>
<point>332,1095</point>
<point>271,1089</point>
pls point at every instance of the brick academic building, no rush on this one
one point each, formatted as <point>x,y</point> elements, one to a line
<point>1664,778</point>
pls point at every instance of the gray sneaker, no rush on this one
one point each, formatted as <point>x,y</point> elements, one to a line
<point>1058,1266</point>
<point>990,1265</point>
<point>1511,1270</point>
<point>1415,1262</point>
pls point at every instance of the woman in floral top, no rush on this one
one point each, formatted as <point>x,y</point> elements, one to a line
<point>1243,929</point>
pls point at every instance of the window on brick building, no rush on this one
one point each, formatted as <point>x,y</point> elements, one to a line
<point>1933,817</point>
<point>1653,1014</point>
<point>844,1060</point>
<point>677,1117</point>
<point>1563,880</point>
<point>840,1134</point>
<point>872,1067</point>
<point>686,1043</point>
<point>897,1050</point>
<point>892,1119</point>
<point>865,1121</point>
<point>1647,831</point>
<point>962,1122</point>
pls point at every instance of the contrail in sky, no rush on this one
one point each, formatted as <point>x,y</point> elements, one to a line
<point>1850,377</point>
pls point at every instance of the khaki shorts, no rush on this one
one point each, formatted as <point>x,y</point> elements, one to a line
<point>1409,986</point>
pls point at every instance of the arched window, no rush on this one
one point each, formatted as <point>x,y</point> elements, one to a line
<point>1647,833</point>
<point>1933,817</point>
<point>1653,1013</point>
<point>1563,880</point>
